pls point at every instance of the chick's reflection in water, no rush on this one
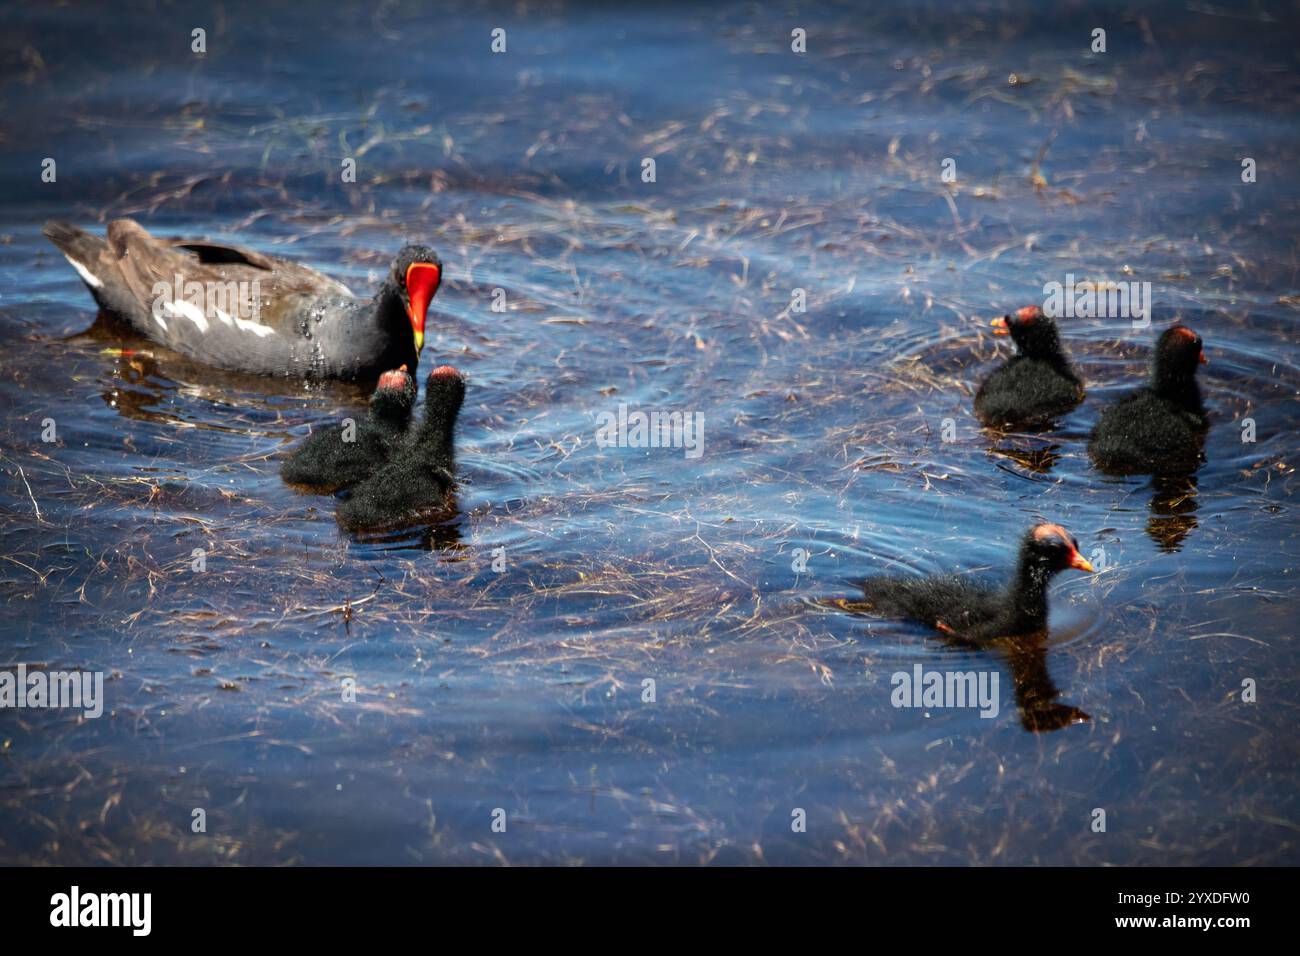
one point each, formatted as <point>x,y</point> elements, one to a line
<point>1173,511</point>
<point>1035,457</point>
<point>1036,692</point>
<point>1026,657</point>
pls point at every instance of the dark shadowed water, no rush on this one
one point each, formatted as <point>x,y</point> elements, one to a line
<point>826,446</point>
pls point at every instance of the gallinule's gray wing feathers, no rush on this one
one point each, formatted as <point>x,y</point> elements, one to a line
<point>236,262</point>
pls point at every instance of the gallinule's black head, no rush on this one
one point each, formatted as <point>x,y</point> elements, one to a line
<point>1178,353</point>
<point>417,274</point>
<point>1034,333</point>
<point>444,393</point>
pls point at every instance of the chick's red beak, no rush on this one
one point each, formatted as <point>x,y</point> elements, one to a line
<point>1204,360</point>
<point>1000,326</point>
<point>422,281</point>
<point>394,378</point>
<point>1079,561</point>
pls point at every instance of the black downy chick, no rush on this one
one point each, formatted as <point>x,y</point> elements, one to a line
<point>1037,384</point>
<point>975,612</point>
<point>342,455</point>
<point>416,484</point>
<point>1159,428</point>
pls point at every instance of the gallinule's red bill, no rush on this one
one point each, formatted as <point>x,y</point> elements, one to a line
<point>1038,383</point>
<point>976,612</point>
<point>340,456</point>
<point>416,483</point>
<point>238,309</point>
<point>1158,428</point>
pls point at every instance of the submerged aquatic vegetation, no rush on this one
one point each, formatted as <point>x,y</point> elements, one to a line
<point>499,658</point>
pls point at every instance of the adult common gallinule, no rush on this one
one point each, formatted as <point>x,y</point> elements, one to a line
<point>416,482</point>
<point>238,309</point>
<point>1035,385</point>
<point>975,612</point>
<point>336,457</point>
<point>1158,428</point>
